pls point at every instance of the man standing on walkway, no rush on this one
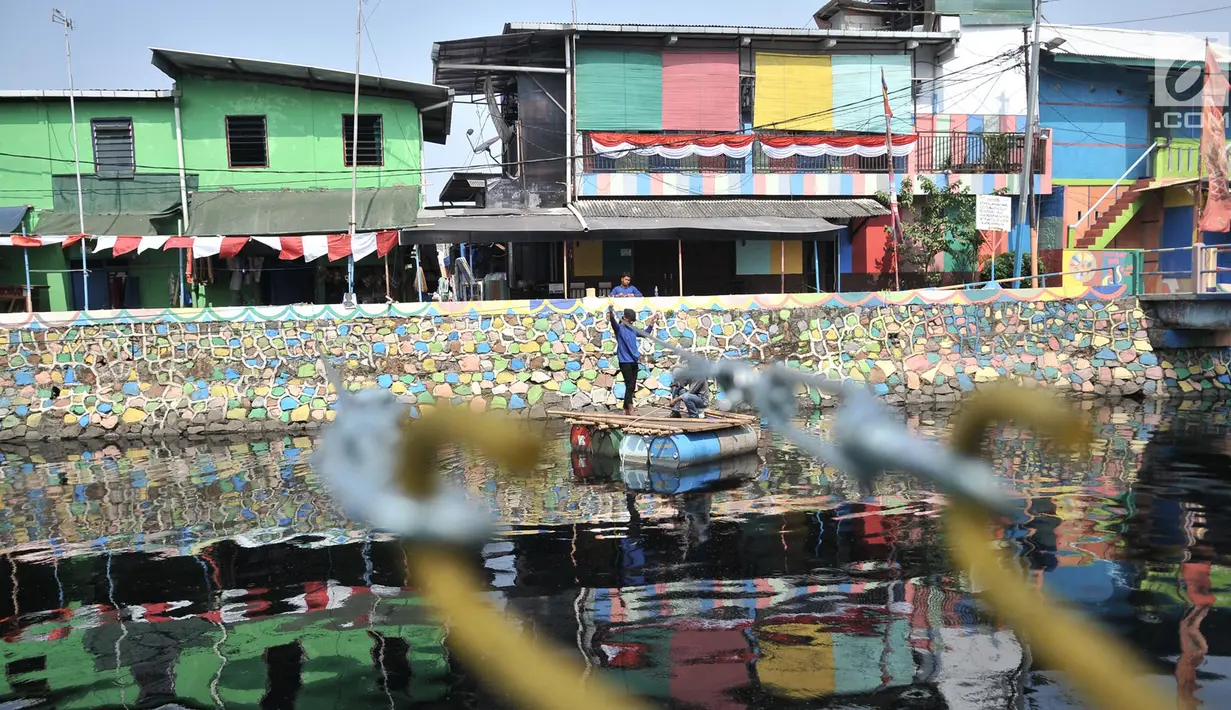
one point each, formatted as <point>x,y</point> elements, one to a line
<point>627,353</point>
<point>626,289</point>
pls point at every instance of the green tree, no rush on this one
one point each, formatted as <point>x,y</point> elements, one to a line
<point>944,222</point>
<point>1004,267</point>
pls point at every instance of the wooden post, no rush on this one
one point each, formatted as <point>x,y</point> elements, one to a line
<point>1198,281</point>
<point>782,262</point>
<point>388,286</point>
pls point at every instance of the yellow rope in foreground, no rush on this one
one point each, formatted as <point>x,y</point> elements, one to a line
<point>531,673</point>
<point>1101,667</point>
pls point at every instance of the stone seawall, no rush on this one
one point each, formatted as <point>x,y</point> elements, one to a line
<point>235,370</point>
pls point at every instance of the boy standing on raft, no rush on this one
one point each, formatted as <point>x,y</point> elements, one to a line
<point>627,353</point>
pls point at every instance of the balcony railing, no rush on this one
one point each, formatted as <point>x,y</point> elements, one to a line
<point>968,153</point>
<point>1176,158</point>
<point>762,163</point>
<point>633,163</point>
<point>963,153</point>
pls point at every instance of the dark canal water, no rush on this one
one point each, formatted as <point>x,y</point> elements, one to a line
<point>219,575</point>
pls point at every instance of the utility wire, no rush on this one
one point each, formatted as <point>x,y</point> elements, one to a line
<point>1159,17</point>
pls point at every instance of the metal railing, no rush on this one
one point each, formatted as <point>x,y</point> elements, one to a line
<point>1200,273</point>
<point>947,152</point>
<point>969,153</point>
<point>1072,231</point>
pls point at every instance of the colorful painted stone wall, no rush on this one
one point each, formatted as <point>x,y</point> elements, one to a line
<point>148,373</point>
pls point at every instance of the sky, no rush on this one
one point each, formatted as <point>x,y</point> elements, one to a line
<point>111,37</point>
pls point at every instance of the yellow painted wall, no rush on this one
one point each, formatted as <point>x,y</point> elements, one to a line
<point>1178,196</point>
<point>789,86</point>
<point>794,257</point>
<point>588,258</point>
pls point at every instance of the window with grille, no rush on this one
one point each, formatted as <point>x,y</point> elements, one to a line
<point>370,150</point>
<point>247,145</point>
<point>113,147</point>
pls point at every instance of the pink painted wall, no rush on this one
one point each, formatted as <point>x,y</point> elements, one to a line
<point>700,91</point>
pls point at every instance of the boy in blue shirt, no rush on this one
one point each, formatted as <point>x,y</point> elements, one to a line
<point>626,289</point>
<point>627,353</point>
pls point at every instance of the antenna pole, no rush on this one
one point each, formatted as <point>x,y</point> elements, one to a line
<point>1025,188</point>
<point>60,18</point>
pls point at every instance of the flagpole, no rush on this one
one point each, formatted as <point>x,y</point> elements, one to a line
<point>893,189</point>
<point>354,156</point>
<point>1198,264</point>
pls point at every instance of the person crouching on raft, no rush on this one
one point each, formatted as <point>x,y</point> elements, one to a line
<point>688,395</point>
<point>627,352</point>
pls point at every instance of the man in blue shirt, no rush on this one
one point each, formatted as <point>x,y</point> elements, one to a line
<point>626,289</point>
<point>627,353</point>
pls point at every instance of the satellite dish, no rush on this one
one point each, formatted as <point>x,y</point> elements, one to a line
<point>485,145</point>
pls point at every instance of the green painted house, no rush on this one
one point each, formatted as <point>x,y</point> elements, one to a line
<point>257,148</point>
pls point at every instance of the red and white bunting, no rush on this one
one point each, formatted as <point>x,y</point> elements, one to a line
<point>19,240</point>
<point>308,247</point>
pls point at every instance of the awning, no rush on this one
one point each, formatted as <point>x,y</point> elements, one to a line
<point>757,216</point>
<point>643,219</point>
<point>11,218</point>
<point>465,225</point>
<point>462,64</point>
<point>273,212</point>
<point>706,210</point>
<point>137,225</point>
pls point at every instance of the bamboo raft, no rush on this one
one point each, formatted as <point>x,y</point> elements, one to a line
<point>655,422</point>
<point>656,439</point>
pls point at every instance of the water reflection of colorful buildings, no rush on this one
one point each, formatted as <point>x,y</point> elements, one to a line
<point>226,570</point>
<point>295,624</point>
<point>168,498</point>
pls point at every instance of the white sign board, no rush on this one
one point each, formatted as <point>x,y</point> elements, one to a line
<point>993,213</point>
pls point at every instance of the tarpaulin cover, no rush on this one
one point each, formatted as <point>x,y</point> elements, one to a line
<point>11,217</point>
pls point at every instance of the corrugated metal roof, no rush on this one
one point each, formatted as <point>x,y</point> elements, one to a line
<point>175,63</point>
<point>1142,45</point>
<point>524,49</point>
<point>726,209</point>
<point>455,226</point>
<point>732,31</point>
<point>86,94</point>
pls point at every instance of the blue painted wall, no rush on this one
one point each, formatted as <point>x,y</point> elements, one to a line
<point>1178,232</point>
<point>845,258</point>
<point>1099,116</point>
